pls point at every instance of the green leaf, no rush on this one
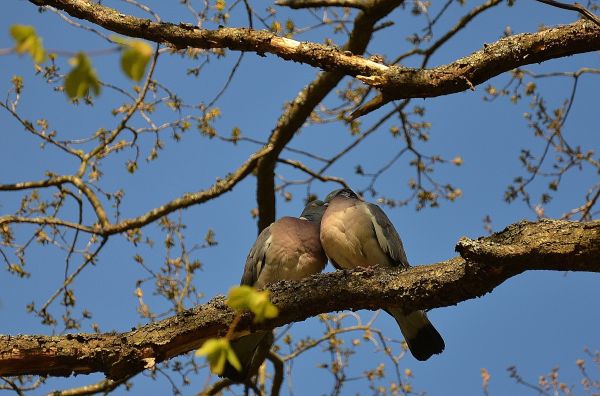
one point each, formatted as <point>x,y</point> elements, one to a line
<point>135,57</point>
<point>27,40</point>
<point>239,297</point>
<point>217,352</point>
<point>263,308</point>
<point>233,359</point>
<point>82,78</point>
<point>243,298</point>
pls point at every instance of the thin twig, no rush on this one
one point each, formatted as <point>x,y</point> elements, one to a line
<point>104,386</point>
<point>573,7</point>
<point>216,387</point>
<point>90,258</point>
<point>13,386</point>
<point>298,4</point>
<point>299,165</point>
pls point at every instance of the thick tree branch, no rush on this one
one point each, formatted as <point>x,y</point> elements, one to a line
<point>464,73</point>
<point>494,59</point>
<point>394,82</point>
<point>485,263</point>
<point>238,39</point>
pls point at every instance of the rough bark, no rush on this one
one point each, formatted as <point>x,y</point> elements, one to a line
<point>484,264</point>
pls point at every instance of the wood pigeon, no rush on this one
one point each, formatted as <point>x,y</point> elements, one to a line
<point>355,233</point>
<point>288,249</point>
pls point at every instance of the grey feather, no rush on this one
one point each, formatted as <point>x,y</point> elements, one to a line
<point>255,261</point>
<point>387,236</point>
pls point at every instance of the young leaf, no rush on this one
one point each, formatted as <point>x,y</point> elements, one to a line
<point>82,78</point>
<point>27,40</point>
<point>239,297</point>
<point>248,298</point>
<point>217,352</point>
<point>135,57</point>
<point>263,308</point>
<point>233,359</point>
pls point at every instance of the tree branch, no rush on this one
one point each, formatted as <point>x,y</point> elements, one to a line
<point>58,181</point>
<point>494,59</point>
<point>394,82</point>
<point>485,264</point>
<point>238,39</point>
<point>7,219</point>
<point>217,387</point>
<point>574,7</point>
<point>104,386</point>
<point>220,187</point>
<point>298,4</point>
<point>305,102</point>
<point>299,165</point>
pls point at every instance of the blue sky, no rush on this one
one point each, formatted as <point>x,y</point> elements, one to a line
<point>535,321</point>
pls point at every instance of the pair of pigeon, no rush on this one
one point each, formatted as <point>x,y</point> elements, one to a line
<point>351,233</point>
